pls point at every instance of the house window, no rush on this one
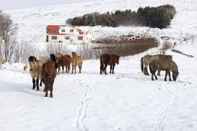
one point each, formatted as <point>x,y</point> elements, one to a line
<point>80,38</point>
<point>47,38</point>
<point>80,32</point>
<point>67,38</point>
<point>63,30</point>
<point>54,37</point>
<point>71,30</point>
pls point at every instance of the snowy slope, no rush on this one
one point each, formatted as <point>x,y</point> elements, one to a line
<point>32,22</point>
<point>125,101</point>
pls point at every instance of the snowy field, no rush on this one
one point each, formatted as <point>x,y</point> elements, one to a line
<point>125,101</point>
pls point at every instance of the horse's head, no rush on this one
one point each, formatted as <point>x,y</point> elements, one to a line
<point>175,71</point>
<point>53,57</point>
<point>175,75</point>
<point>32,59</point>
<point>74,53</point>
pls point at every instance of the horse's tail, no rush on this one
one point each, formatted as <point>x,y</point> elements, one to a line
<point>142,64</point>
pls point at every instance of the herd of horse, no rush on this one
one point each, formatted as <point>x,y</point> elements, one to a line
<point>44,70</point>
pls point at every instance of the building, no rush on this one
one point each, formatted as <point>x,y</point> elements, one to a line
<point>63,34</point>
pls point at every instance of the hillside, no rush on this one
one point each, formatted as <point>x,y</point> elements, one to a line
<point>32,22</point>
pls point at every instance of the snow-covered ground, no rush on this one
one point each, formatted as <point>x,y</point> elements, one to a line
<point>125,101</point>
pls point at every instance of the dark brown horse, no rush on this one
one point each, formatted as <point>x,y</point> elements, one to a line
<point>64,61</point>
<point>108,59</point>
<point>169,66</point>
<point>49,75</point>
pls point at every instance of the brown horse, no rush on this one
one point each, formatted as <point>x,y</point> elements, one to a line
<point>63,61</point>
<point>76,61</point>
<point>49,75</point>
<point>166,65</point>
<point>147,59</point>
<point>108,59</point>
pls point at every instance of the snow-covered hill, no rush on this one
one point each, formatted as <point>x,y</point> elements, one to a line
<point>32,22</point>
<point>125,101</point>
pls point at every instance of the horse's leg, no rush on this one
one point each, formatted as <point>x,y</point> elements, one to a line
<point>169,76</point>
<point>159,72</point>
<point>62,68</point>
<point>101,68</point>
<point>152,78</point>
<point>34,83</point>
<point>113,66</point>
<point>46,91</point>
<point>75,69</point>
<point>145,70</point>
<point>110,70</point>
<point>80,67</point>
<point>72,69</point>
<point>58,68</point>
<point>51,91</point>
<point>41,82</point>
<point>68,68</point>
<point>37,84</point>
<point>51,88</point>
<point>155,76</point>
<point>105,69</point>
<point>165,78</point>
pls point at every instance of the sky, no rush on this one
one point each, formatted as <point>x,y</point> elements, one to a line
<point>17,4</point>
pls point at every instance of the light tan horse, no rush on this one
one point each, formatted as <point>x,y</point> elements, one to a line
<point>76,62</point>
<point>169,66</point>
<point>35,69</point>
<point>147,59</point>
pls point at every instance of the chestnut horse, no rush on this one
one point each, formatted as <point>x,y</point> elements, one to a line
<point>63,61</point>
<point>76,61</point>
<point>108,59</point>
<point>49,75</point>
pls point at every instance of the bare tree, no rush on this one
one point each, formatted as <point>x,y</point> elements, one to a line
<point>7,35</point>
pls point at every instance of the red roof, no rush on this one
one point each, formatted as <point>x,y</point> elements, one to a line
<point>53,29</point>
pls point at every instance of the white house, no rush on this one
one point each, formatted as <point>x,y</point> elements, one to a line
<point>62,33</point>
